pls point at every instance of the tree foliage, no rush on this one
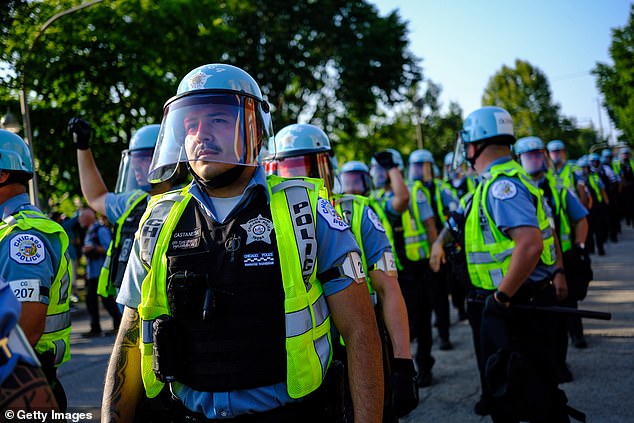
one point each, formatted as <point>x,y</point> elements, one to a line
<point>616,82</point>
<point>117,62</point>
<point>525,92</point>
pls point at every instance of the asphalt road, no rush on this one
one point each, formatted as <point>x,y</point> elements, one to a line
<point>603,373</point>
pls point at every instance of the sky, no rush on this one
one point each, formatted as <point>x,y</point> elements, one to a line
<point>465,42</point>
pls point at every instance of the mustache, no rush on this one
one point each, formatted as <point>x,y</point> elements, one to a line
<point>208,148</point>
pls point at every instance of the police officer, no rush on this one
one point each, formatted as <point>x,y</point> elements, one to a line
<point>458,180</point>
<point>443,201</point>
<point>96,242</point>
<point>624,167</point>
<point>304,150</point>
<point>124,207</point>
<point>612,182</point>
<point>234,279</point>
<point>414,228</point>
<point>23,385</point>
<point>511,257</point>
<point>598,218</point>
<point>572,228</point>
<point>35,262</point>
<point>563,172</point>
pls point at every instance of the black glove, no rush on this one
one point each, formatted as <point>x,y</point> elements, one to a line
<point>80,129</point>
<point>493,308</point>
<point>402,387</point>
<point>385,159</point>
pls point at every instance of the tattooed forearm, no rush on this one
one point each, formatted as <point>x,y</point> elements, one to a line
<point>123,384</point>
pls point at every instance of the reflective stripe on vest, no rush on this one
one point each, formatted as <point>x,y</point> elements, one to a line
<point>561,210</point>
<point>351,208</point>
<point>414,232</point>
<point>293,205</point>
<point>489,251</point>
<point>593,180</point>
<point>56,335</point>
<point>105,288</point>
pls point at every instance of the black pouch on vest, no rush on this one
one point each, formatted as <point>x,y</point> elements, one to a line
<point>165,351</point>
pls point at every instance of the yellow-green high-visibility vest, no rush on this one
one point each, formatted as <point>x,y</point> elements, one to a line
<point>487,249</point>
<point>560,199</point>
<point>564,179</point>
<point>593,180</point>
<point>414,232</point>
<point>308,337</point>
<point>106,288</point>
<point>56,335</point>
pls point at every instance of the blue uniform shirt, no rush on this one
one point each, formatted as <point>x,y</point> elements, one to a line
<point>35,268</point>
<point>117,204</point>
<point>101,237</point>
<point>512,208</point>
<point>332,247</point>
<point>373,237</point>
<point>574,209</point>
<point>424,208</point>
<point>9,315</point>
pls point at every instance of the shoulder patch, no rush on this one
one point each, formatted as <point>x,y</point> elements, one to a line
<point>503,189</point>
<point>27,249</point>
<point>375,220</point>
<point>329,213</point>
<point>420,196</point>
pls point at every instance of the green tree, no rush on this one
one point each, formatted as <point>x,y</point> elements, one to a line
<point>525,92</point>
<point>117,62</point>
<point>616,82</point>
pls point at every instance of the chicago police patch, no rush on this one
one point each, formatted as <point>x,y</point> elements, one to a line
<point>27,249</point>
<point>503,189</point>
<point>375,220</point>
<point>330,215</point>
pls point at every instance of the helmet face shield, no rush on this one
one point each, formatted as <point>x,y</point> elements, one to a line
<point>133,170</point>
<point>311,165</point>
<point>459,154</point>
<point>356,182</point>
<point>379,175</point>
<point>533,161</point>
<point>421,172</point>
<point>225,128</point>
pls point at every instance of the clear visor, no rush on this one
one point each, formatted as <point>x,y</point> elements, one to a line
<point>459,154</point>
<point>133,170</point>
<point>311,165</point>
<point>379,176</point>
<point>356,182</point>
<point>220,128</point>
<point>421,172</point>
<point>533,162</point>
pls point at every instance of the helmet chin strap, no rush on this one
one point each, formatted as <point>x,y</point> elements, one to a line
<point>477,153</point>
<point>224,179</point>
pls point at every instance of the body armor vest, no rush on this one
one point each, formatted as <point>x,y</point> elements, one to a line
<point>229,340</point>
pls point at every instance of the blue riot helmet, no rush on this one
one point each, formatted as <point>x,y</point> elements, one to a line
<point>135,161</point>
<point>302,149</point>
<point>355,178</point>
<point>216,123</point>
<point>557,151</point>
<point>556,145</point>
<point>532,155</point>
<point>421,165</point>
<point>624,153</point>
<point>595,160</point>
<point>15,156</point>
<point>379,174</point>
<point>485,126</point>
